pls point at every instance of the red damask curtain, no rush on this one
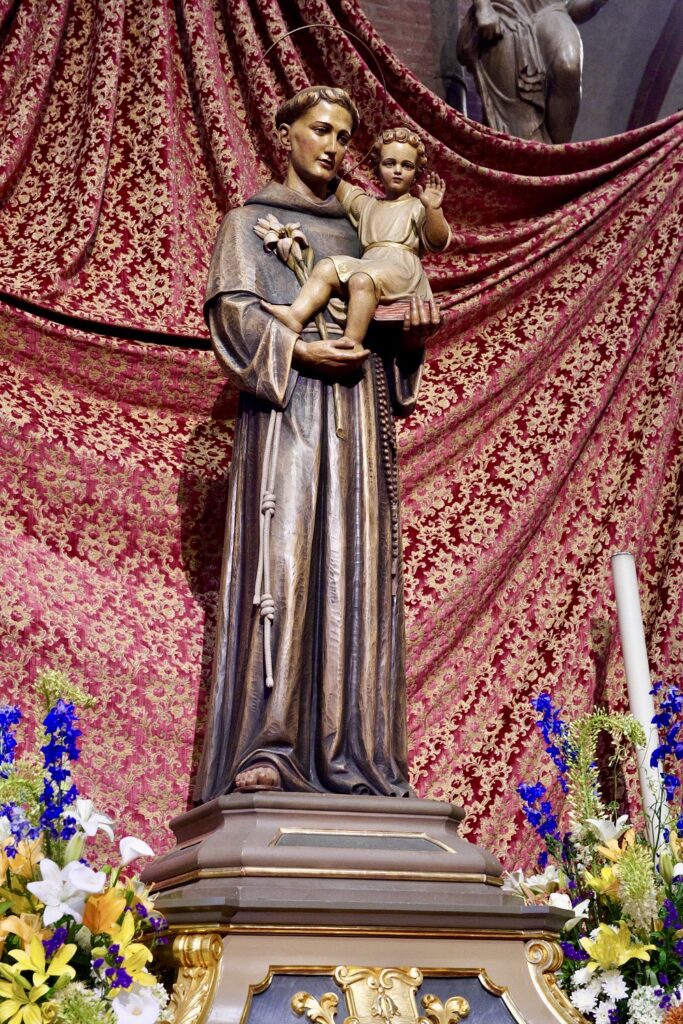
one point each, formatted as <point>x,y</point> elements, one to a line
<point>548,434</point>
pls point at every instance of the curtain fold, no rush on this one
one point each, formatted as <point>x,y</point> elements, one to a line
<point>547,437</point>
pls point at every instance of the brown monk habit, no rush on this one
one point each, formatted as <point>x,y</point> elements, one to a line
<point>334,720</point>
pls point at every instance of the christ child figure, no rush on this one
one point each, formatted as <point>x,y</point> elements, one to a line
<point>393,232</point>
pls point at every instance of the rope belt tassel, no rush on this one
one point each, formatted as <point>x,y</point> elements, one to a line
<point>262,595</point>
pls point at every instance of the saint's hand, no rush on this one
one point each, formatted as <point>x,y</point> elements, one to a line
<point>336,357</point>
<point>489,25</point>
<point>421,320</point>
<point>431,196</point>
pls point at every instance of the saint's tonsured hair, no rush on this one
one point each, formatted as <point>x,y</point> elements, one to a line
<point>293,108</point>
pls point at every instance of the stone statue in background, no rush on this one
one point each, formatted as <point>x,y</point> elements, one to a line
<point>526,57</point>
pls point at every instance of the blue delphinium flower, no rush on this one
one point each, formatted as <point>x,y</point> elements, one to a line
<point>556,736</point>
<point>670,705</point>
<point>671,918</point>
<point>538,812</point>
<point>670,708</point>
<point>58,790</point>
<point>20,828</point>
<point>55,942</point>
<point>10,716</point>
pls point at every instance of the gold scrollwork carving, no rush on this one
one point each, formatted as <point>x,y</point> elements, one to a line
<point>198,958</point>
<point>544,955</point>
<point>321,1011</point>
<point>545,958</point>
<point>450,1012</point>
<point>380,995</point>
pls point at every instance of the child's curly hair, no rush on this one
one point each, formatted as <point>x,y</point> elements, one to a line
<point>400,134</point>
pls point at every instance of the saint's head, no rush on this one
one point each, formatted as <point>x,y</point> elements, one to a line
<point>315,127</point>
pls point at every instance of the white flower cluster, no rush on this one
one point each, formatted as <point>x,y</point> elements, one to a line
<point>596,993</point>
<point>643,1006</point>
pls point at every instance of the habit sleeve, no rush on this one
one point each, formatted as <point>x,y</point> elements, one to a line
<point>254,349</point>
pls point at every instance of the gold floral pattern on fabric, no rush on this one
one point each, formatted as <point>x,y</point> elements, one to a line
<point>133,125</point>
<point>547,437</point>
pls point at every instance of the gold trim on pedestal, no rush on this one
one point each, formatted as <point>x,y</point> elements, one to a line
<point>198,959</point>
<point>285,872</point>
<point>545,958</point>
<point>363,931</point>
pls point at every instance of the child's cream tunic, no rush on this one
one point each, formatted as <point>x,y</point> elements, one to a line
<point>391,233</point>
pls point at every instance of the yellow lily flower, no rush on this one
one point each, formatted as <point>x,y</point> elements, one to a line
<point>25,926</point>
<point>124,933</point>
<point>676,846</point>
<point>34,960</point>
<point>134,964</point>
<point>102,911</point>
<point>18,1002</point>
<point>606,884</point>
<point>19,902</point>
<point>614,849</point>
<point>29,855</point>
<point>613,949</point>
<point>135,954</point>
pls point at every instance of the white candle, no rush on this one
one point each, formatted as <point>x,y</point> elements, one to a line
<point>637,674</point>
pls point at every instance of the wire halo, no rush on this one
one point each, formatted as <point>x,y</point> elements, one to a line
<point>349,35</point>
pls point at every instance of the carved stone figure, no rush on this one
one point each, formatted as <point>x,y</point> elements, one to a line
<point>526,58</point>
<point>312,533</point>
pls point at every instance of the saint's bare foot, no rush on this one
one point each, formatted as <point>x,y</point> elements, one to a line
<point>259,776</point>
<point>284,315</point>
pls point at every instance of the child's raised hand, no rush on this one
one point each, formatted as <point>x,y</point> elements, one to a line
<point>431,196</point>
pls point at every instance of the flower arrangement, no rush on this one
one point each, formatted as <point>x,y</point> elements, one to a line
<point>623,945</point>
<point>75,942</point>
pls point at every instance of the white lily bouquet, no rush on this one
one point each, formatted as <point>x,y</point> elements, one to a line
<point>75,942</point>
<point>623,945</point>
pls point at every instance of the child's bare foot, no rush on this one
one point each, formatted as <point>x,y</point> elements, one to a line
<point>284,315</point>
<point>346,342</point>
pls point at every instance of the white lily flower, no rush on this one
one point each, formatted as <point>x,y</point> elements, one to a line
<point>513,883</point>
<point>131,848</point>
<point>563,900</point>
<point>5,828</point>
<point>678,870</point>
<point>90,820</point>
<point>135,1006</point>
<point>547,882</point>
<point>63,890</point>
<point>605,829</point>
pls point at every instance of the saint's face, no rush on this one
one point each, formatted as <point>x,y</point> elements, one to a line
<point>397,168</point>
<point>317,144</point>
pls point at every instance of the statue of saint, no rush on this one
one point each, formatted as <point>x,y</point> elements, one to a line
<point>526,58</point>
<point>311,515</point>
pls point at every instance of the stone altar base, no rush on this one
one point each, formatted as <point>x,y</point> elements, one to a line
<point>365,910</point>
